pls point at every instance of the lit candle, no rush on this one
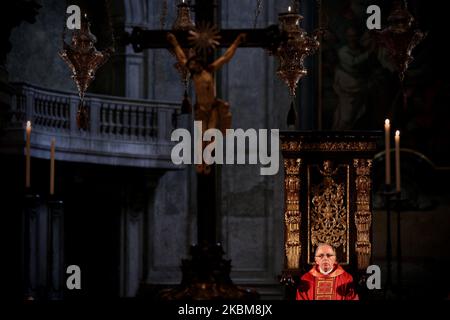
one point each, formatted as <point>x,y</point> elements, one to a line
<point>387,130</point>
<point>397,161</point>
<point>27,155</point>
<point>52,167</point>
<point>289,9</point>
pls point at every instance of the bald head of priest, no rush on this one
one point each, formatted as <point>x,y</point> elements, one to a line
<point>326,280</point>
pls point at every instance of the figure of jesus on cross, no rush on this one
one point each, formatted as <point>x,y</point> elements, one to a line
<point>211,111</point>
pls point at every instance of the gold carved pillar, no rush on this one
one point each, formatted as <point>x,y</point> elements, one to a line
<point>292,214</point>
<point>363,214</point>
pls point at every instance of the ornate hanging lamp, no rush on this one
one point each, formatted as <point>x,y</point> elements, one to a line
<point>295,46</point>
<point>83,60</point>
<point>400,37</point>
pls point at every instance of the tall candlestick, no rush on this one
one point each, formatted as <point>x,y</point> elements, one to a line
<point>397,161</point>
<point>52,167</point>
<point>27,155</point>
<point>387,130</point>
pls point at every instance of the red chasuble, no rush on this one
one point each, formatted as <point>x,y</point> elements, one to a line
<point>337,285</point>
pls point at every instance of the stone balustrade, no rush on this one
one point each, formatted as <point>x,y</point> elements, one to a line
<point>121,131</point>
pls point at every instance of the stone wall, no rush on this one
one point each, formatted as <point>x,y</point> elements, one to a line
<point>34,55</point>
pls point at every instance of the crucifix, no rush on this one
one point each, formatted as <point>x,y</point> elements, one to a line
<point>206,275</point>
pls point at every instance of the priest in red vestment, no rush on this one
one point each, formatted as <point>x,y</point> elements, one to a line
<point>327,280</point>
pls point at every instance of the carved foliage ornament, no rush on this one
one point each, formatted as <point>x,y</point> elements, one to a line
<point>292,213</point>
<point>363,216</point>
<point>329,211</point>
<point>328,146</point>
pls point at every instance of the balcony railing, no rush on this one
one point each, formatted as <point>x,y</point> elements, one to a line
<point>121,131</point>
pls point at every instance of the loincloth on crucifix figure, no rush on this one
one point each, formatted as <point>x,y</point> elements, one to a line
<point>217,115</point>
<point>211,111</point>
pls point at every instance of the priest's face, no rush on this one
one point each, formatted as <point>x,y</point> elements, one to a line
<point>325,257</point>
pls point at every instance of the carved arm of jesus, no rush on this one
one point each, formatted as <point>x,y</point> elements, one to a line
<point>229,53</point>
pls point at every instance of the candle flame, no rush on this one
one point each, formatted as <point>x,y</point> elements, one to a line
<point>386,122</point>
<point>28,124</point>
<point>289,8</point>
<point>397,133</point>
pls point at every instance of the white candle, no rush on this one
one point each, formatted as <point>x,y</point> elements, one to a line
<point>52,167</point>
<point>387,130</point>
<point>397,161</point>
<point>27,155</point>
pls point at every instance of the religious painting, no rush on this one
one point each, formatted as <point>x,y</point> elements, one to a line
<point>359,88</point>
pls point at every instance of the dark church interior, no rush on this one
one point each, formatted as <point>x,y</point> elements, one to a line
<point>95,207</point>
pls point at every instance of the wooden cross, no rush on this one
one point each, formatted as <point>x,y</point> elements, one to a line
<point>268,38</point>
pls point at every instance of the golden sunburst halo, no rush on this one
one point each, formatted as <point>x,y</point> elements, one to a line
<point>205,37</point>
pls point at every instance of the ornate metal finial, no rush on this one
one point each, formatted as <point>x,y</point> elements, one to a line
<point>83,60</point>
